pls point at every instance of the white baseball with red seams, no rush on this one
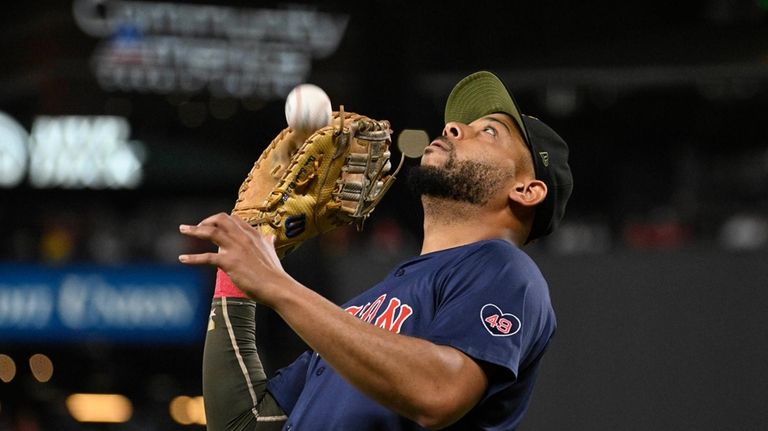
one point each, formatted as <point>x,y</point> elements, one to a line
<point>307,108</point>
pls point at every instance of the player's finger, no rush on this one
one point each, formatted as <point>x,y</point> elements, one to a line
<point>200,259</point>
<point>221,220</point>
<point>215,234</point>
<point>200,232</point>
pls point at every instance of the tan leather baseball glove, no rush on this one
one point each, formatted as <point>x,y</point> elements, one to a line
<point>303,186</point>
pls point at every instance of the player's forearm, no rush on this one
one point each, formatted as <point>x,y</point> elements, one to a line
<point>414,377</point>
<point>234,382</point>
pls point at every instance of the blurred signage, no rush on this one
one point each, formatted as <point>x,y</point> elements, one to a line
<point>70,152</point>
<point>111,304</point>
<point>165,47</point>
<point>14,142</point>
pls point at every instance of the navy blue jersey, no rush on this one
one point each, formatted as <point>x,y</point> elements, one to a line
<point>487,299</point>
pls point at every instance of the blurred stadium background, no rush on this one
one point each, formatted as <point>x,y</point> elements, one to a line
<point>121,119</point>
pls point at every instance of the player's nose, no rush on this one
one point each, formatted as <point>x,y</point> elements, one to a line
<point>454,130</point>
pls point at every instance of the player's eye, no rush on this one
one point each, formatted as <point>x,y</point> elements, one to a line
<point>490,130</point>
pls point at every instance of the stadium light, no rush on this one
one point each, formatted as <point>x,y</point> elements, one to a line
<point>111,408</point>
<point>7,368</point>
<point>41,366</point>
<point>187,410</point>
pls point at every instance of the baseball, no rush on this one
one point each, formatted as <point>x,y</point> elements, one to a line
<point>307,108</point>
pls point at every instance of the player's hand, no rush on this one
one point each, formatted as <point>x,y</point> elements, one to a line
<point>246,255</point>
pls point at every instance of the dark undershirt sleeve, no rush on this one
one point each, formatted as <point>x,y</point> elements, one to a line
<point>234,382</point>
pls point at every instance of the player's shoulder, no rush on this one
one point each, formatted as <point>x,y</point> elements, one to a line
<point>506,259</point>
<point>499,250</point>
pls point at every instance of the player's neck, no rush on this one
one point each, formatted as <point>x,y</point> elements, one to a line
<point>450,224</point>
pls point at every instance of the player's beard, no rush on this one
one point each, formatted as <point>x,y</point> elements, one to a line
<point>467,181</point>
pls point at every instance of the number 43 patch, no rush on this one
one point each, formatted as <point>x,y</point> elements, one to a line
<point>497,323</point>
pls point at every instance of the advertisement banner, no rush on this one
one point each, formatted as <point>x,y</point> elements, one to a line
<point>149,303</point>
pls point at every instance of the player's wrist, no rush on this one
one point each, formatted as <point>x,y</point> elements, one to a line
<point>225,287</point>
<point>276,292</point>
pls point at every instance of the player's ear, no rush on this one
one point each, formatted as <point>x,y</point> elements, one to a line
<point>528,193</point>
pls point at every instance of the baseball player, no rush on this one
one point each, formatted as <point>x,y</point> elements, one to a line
<point>450,339</point>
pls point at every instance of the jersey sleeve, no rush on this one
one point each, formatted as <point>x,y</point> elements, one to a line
<point>288,382</point>
<point>494,306</point>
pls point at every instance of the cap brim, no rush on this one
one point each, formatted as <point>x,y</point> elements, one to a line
<point>481,94</point>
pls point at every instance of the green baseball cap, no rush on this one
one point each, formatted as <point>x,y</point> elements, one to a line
<point>483,93</point>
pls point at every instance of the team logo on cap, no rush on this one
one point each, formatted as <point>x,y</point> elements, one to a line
<point>544,158</point>
<point>497,323</point>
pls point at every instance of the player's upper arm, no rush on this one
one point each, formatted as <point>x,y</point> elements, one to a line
<point>460,390</point>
